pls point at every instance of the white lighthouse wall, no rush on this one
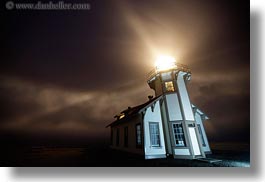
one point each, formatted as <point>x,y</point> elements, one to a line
<point>184,97</point>
<point>173,107</point>
<point>166,76</point>
<point>198,119</point>
<point>153,115</point>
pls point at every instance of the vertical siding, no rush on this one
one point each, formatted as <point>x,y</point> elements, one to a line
<point>153,116</point>
<point>173,107</point>
<point>199,121</point>
<point>184,97</point>
<point>166,128</point>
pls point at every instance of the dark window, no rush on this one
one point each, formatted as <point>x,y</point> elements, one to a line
<point>191,125</point>
<point>178,134</point>
<point>154,134</point>
<point>138,133</point>
<point>118,137</point>
<point>200,132</point>
<point>126,136</point>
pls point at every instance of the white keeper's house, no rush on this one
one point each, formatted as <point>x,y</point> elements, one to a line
<point>168,125</point>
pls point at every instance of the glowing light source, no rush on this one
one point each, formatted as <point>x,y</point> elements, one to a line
<point>122,115</point>
<point>165,62</point>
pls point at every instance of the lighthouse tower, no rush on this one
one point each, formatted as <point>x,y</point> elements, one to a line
<point>182,134</point>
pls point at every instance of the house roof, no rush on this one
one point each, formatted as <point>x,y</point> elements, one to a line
<point>133,111</point>
<point>199,112</point>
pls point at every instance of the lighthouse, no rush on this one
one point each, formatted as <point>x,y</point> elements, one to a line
<point>182,134</point>
<point>167,125</point>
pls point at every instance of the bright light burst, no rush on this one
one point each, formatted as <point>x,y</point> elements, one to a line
<point>165,62</point>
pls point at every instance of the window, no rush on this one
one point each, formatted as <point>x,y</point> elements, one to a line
<point>178,134</point>
<point>138,133</point>
<point>122,115</point>
<point>118,137</point>
<point>169,86</point>
<point>126,136</point>
<point>154,134</point>
<point>200,132</point>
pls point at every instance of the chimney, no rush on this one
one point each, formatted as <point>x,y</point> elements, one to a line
<point>150,97</point>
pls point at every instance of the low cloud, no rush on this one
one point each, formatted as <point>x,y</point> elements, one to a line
<point>30,107</point>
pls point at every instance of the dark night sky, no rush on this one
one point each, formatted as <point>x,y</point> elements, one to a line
<point>67,73</point>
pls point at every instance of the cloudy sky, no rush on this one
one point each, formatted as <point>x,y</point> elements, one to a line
<point>67,73</point>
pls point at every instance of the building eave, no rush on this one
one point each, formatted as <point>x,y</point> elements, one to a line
<point>137,109</point>
<point>200,112</point>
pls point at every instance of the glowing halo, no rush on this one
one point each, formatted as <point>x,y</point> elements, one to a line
<point>165,62</point>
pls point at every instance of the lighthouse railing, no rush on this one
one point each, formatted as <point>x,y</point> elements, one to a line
<point>177,66</point>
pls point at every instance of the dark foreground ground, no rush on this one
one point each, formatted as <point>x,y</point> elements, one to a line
<point>231,154</point>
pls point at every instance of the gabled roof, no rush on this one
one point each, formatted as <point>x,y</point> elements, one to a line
<point>196,109</point>
<point>133,111</point>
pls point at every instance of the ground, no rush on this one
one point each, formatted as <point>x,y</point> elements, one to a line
<point>231,155</point>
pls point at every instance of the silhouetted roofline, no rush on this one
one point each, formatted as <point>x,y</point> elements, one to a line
<point>131,112</point>
<point>200,112</point>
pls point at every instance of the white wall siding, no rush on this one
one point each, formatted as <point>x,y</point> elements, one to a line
<point>182,152</point>
<point>173,107</point>
<point>153,116</point>
<point>199,121</point>
<point>194,141</point>
<point>184,97</point>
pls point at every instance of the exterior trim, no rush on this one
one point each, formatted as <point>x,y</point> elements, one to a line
<point>155,156</point>
<point>208,152</point>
